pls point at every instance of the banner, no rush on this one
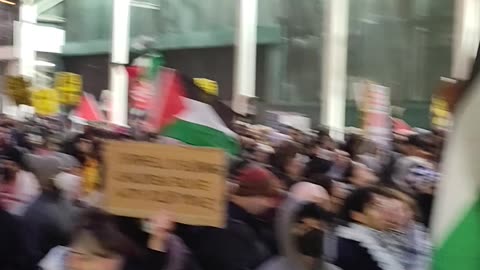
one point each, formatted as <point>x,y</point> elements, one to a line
<point>69,87</point>
<point>45,102</point>
<point>17,89</point>
<point>376,113</point>
<point>144,178</point>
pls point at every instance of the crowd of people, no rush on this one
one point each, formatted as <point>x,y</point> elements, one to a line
<point>295,201</point>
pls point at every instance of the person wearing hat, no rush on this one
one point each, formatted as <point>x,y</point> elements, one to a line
<point>240,245</point>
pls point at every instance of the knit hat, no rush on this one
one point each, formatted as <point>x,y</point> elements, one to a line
<point>257,181</point>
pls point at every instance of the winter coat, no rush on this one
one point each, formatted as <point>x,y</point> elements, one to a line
<point>240,246</point>
<point>290,257</point>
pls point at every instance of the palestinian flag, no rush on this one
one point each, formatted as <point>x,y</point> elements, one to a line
<point>456,216</point>
<point>184,112</point>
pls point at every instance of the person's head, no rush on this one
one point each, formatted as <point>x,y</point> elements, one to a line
<point>262,153</point>
<point>420,146</point>
<point>310,223</point>
<point>401,210</point>
<point>84,145</point>
<point>5,135</point>
<point>13,159</point>
<point>98,244</point>
<point>309,192</point>
<point>295,134</point>
<point>366,206</point>
<point>284,158</point>
<point>362,176</point>
<point>257,191</point>
<point>37,138</point>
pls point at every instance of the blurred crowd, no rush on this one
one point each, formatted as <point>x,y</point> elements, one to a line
<point>296,200</point>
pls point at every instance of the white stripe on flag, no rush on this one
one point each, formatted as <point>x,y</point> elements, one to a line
<point>203,114</point>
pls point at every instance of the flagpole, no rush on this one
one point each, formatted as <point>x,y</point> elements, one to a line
<point>245,54</point>
<point>119,57</point>
<point>334,68</point>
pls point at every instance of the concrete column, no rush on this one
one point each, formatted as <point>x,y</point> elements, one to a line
<point>334,66</point>
<point>25,40</point>
<point>466,37</point>
<point>119,57</point>
<point>245,53</point>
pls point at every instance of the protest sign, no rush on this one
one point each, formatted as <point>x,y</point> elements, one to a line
<point>376,113</point>
<point>209,86</point>
<point>17,89</point>
<point>144,178</point>
<point>69,87</point>
<point>45,102</point>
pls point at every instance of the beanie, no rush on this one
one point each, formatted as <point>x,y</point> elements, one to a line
<point>256,181</point>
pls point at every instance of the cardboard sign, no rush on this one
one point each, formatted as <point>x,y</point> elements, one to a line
<point>17,89</point>
<point>145,178</point>
<point>69,87</point>
<point>45,102</point>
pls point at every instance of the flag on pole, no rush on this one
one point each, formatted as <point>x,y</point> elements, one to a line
<point>184,112</point>
<point>88,109</point>
<point>456,216</point>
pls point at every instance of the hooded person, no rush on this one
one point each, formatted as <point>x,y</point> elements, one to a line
<point>242,244</point>
<point>300,223</point>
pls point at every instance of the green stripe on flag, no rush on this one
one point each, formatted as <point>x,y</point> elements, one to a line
<point>461,250</point>
<point>199,135</point>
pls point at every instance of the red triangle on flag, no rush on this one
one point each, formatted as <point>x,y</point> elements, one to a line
<point>168,101</point>
<point>88,109</point>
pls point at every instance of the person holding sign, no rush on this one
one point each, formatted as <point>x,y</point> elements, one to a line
<point>243,243</point>
<point>98,244</point>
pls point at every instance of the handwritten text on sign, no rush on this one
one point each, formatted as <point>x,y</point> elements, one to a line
<point>144,178</point>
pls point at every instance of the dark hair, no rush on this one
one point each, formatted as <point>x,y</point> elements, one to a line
<point>102,227</point>
<point>14,155</point>
<point>358,200</point>
<point>283,154</point>
<point>421,141</point>
<point>312,210</point>
<point>322,180</point>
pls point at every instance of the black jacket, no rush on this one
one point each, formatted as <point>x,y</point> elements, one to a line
<point>13,252</point>
<point>49,222</point>
<point>352,256</point>
<point>237,247</point>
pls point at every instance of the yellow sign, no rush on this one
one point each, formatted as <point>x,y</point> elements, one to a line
<point>144,178</point>
<point>45,102</point>
<point>69,87</point>
<point>439,109</point>
<point>17,89</point>
<point>209,86</point>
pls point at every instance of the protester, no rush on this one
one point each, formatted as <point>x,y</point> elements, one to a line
<point>99,244</point>
<point>13,248</point>
<point>19,187</point>
<point>293,201</point>
<point>300,250</point>
<point>406,238</point>
<point>49,221</point>
<point>242,244</point>
<point>359,244</point>
<point>287,164</point>
<point>361,176</point>
<point>416,173</point>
